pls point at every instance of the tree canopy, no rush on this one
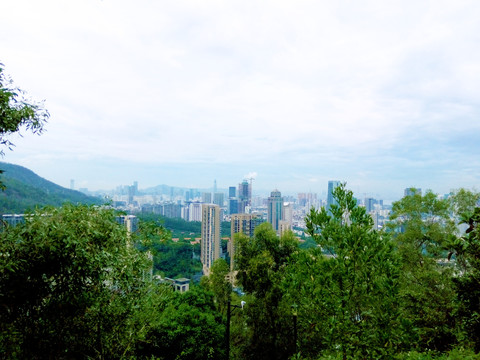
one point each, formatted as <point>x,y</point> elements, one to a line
<point>17,111</point>
<point>73,285</point>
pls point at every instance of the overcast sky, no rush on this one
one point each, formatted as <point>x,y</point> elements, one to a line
<point>381,94</point>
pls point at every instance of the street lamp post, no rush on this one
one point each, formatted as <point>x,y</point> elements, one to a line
<point>295,314</point>
<point>229,315</point>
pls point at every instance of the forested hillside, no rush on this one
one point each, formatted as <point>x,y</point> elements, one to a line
<point>25,190</point>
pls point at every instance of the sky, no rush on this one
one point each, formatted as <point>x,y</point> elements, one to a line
<point>382,95</point>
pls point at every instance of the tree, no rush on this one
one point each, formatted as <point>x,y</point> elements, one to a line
<point>464,201</point>
<point>467,284</point>
<point>422,227</point>
<point>17,111</point>
<point>188,327</point>
<point>218,283</point>
<point>70,281</point>
<point>261,262</point>
<point>347,301</point>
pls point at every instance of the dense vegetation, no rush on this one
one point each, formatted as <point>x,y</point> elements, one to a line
<point>73,284</point>
<point>179,258</point>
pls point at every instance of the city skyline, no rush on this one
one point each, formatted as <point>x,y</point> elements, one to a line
<point>293,94</point>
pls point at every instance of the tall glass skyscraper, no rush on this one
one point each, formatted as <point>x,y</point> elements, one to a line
<point>275,209</point>
<point>332,184</point>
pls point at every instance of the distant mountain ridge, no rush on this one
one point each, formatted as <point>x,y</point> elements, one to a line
<point>25,190</point>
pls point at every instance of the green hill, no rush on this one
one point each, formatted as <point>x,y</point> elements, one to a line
<point>25,190</point>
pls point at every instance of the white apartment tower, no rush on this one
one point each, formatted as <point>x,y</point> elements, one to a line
<point>210,242</point>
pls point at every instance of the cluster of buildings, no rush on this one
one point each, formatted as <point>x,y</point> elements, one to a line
<point>237,205</point>
<point>243,217</point>
<point>281,214</point>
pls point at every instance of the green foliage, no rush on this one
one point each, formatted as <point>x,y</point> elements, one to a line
<point>424,229</point>
<point>455,354</point>
<point>261,262</point>
<point>73,286</point>
<point>16,111</point>
<point>181,228</point>
<point>464,201</point>
<point>188,328</point>
<point>176,260</point>
<point>170,259</point>
<point>422,225</point>
<point>68,281</point>
<point>217,282</point>
<point>176,226</point>
<point>347,302</point>
<point>468,285</point>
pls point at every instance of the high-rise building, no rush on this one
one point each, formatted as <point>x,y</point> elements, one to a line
<point>131,194</point>
<point>130,222</point>
<point>275,209</point>
<point>207,197</point>
<point>242,205</point>
<point>171,210</point>
<point>232,192</point>
<point>72,184</point>
<point>233,206</point>
<point>218,198</point>
<point>332,184</point>
<point>288,214</point>
<point>241,223</point>
<point>283,226</point>
<point>369,204</point>
<point>245,192</point>
<point>210,241</point>
<point>195,211</point>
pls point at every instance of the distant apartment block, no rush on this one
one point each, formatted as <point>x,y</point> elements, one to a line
<point>130,222</point>
<point>241,223</point>
<point>12,219</point>
<point>195,211</point>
